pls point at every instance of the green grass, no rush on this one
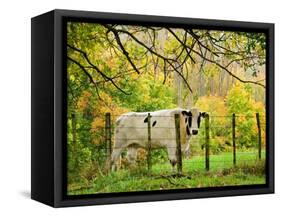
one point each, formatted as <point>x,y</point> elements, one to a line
<point>249,170</point>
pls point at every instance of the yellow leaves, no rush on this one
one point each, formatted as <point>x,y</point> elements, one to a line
<point>72,78</point>
<point>212,70</point>
<point>101,108</point>
<point>98,124</point>
<point>134,76</point>
<point>259,107</point>
<point>213,104</point>
<point>111,63</point>
<point>97,109</point>
<point>83,102</point>
<point>107,104</point>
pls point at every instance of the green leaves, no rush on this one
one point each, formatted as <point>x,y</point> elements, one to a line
<point>240,101</point>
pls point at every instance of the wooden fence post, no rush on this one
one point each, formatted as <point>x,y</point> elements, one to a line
<point>234,138</point>
<point>259,133</point>
<point>207,140</point>
<point>108,138</point>
<point>149,142</point>
<point>178,141</point>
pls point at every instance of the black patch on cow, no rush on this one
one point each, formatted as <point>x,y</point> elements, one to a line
<point>187,130</point>
<point>203,114</point>
<point>145,120</point>
<point>184,113</point>
<point>154,123</point>
<point>188,114</point>
<point>198,120</point>
<point>173,162</point>
<point>189,121</point>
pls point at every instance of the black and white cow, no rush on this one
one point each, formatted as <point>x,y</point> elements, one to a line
<point>131,132</point>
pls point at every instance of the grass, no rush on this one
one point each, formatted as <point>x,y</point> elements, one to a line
<point>248,170</point>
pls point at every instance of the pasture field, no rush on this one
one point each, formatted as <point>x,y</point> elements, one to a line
<point>248,171</point>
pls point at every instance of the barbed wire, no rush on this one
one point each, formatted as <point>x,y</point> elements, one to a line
<point>172,116</point>
<point>157,127</point>
<point>174,147</point>
<point>196,156</point>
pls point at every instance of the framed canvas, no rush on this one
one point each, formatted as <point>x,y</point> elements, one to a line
<point>134,108</point>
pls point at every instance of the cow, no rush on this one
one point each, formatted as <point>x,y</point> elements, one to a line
<point>131,132</point>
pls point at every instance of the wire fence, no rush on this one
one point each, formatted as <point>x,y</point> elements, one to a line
<point>167,134</point>
<point>218,143</point>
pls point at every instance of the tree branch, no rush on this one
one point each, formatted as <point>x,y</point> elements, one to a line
<point>221,66</point>
<point>196,37</point>
<point>170,61</point>
<point>182,43</point>
<point>118,40</point>
<point>96,68</point>
<point>87,74</point>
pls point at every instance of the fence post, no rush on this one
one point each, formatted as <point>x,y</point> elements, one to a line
<point>149,142</point>
<point>234,138</point>
<point>178,141</point>
<point>259,133</point>
<point>207,140</point>
<point>108,138</point>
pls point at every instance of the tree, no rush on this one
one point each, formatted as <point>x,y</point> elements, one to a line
<point>140,47</point>
<point>240,101</point>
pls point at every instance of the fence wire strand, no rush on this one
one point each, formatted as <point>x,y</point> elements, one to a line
<point>200,142</point>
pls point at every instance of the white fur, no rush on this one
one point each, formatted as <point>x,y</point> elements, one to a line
<point>131,132</point>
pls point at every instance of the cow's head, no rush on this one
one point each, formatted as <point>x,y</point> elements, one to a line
<point>192,119</point>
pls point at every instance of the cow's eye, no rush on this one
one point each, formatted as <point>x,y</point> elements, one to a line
<point>198,121</point>
<point>189,121</point>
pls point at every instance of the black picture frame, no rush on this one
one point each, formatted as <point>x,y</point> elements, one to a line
<point>48,146</point>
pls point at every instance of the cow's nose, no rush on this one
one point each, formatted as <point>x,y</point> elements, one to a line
<point>194,132</point>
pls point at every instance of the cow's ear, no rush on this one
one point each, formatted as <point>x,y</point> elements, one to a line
<point>186,113</point>
<point>203,114</point>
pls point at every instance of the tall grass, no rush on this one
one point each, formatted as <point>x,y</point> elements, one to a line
<point>248,170</point>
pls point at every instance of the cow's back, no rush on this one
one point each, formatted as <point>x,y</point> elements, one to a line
<point>132,127</point>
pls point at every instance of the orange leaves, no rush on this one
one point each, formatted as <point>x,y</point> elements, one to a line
<point>100,109</point>
<point>213,104</point>
<point>107,104</point>
<point>83,102</point>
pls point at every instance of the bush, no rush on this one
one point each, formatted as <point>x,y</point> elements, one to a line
<point>219,124</point>
<point>239,101</point>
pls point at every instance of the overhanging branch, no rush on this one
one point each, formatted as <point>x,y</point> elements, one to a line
<point>170,61</point>
<point>96,69</point>
<point>218,64</point>
<point>124,51</point>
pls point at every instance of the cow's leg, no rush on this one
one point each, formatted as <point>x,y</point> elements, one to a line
<point>172,155</point>
<point>187,150</point>
<point>116,152</point>
<point>132,154</point>
<point>114,158</point>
